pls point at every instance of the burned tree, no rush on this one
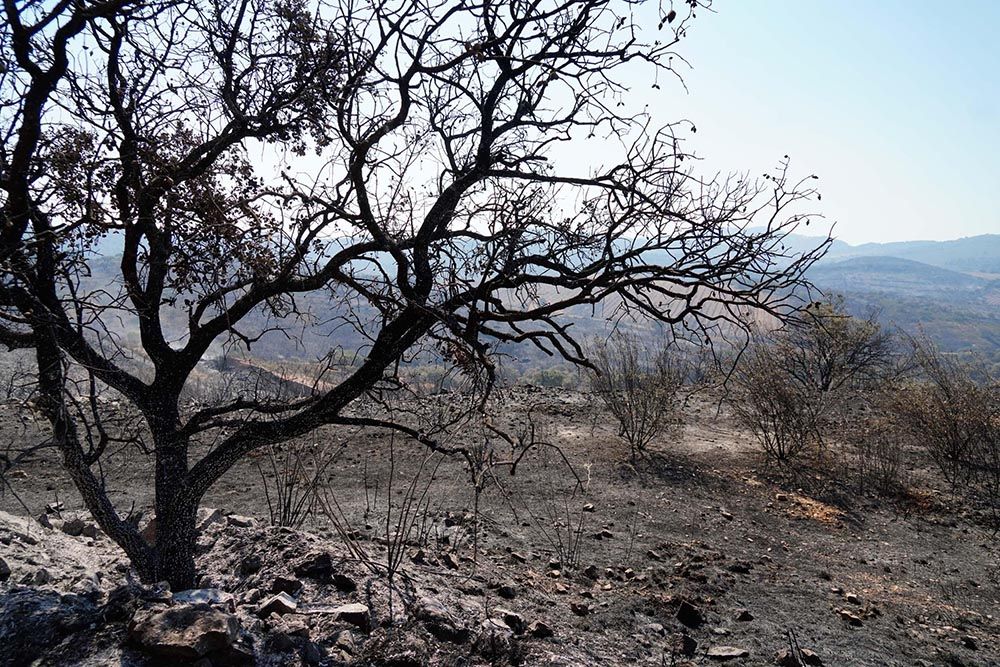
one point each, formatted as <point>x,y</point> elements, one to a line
<point>409,185</point>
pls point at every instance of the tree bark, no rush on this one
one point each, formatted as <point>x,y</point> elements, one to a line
<point>175,542</point>
<point>176,506</point>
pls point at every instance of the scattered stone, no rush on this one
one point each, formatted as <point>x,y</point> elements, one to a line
<point>344,640</point>
<point>293,625</point>
<point>726,515</point>
<point>74,526</point>
<point>785,658</point>
<point>722,653</point>
<point>579,608</point>
<point>591,572</point>
<point>555,564</point>
<point>317,566</point>
<point>208,516</point>
<point>781,497</point>
<point>811,658</point>
<point>279,604</point>
<point>852,598</point>
<point>356,614</point>
<point>39,577</point>
<point>540,630</point>
<point>513,620</point>
<point>688,645</point>
<point>518,558</point>
<point>690,615</point>
<point>449,561</point>
<point>851,619</point>
<point>589,507</point>
<point>970,642</point>
<point>239,521</point>
<point>209,596</point>
<point>343,583</point>
<point>184,632</point>
<point>286,585</point>
<point>91,530</point>
<point>653,555</point>
<point>439,621</point>
<point>744,616</point>
<point>652,629</point>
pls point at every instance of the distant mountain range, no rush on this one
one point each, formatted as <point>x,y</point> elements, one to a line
<point>950,290</point>
<point>972,254</point>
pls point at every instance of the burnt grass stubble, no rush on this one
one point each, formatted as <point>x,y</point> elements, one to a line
<point>696,548</point>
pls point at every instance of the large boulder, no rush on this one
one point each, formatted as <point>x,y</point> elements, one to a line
<point>184,632</point>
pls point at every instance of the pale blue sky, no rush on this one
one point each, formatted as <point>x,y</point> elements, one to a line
<point>894,104</point>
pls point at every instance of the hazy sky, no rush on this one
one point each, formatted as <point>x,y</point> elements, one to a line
<point>894,104</point>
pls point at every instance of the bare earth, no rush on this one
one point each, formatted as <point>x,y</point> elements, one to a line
<point>700,524</point>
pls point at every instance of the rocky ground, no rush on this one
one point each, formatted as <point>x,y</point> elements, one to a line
<point>696,556</point>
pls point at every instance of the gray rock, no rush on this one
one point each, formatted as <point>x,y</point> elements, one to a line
<point>239,521</point>
<point>207,517</point>
<point>279,604</point>
<point>540,629</point>
<point>4,570</point>
<point>690,615</point>
<point>184,632</point>
<point>440,622</point>
<point>73,526</point>
<point>513,620</point>
<point>852,619</point>
<point>344,640</point>
<point>356,614</point>
<point>317,566</point>
<point>723,653</point>
<point>286,585</point>
<point>209,596</point>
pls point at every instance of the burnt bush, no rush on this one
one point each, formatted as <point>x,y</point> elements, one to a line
<point>640,385</point>
<point>953,414</point>
<point>794,386</point>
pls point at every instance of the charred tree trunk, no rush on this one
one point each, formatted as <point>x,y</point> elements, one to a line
<point>176,505</point>
<point>173,559</point>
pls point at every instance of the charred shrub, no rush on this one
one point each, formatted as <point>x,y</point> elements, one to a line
<point>953,414</point>
<point>640,385</point>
